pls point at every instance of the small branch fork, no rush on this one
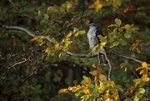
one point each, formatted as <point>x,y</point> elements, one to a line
<point>71,53</point>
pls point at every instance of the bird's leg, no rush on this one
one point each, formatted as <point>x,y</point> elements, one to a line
<point>98,58</point>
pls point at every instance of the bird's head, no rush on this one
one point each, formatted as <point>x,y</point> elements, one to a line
<point>92,24</point>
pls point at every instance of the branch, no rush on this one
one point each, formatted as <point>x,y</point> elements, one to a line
<point>127,57</point>
<point>23,30</point>
<point>81,55</point>
<point>20,62</point>
<point>110,67</point>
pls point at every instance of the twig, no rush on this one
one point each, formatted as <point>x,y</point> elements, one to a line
<point>18,63</point>
<point>24,30</point>
<point>127,57</point>
<point>81,55</point>
<point>110,67</point>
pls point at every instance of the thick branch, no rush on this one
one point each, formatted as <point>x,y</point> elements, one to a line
<point>24,30</point>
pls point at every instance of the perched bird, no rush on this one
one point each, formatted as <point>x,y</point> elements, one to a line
<point>93,35</point>
<point>93,40</point>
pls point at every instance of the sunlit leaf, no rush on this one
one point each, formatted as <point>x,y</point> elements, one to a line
<point>63,91</point>
<point>116,43</point>
<point>101,88</point>
<point>87,79</point>
<point>118,21</point>
<point>141,90</point>
<point>127,26</point>
<point>102,77</point>
<point>94,72</point>
<point>127,35</point>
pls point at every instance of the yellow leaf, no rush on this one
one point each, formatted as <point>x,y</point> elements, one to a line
<point>87,79</point>
<point>75,30</point>
<point>60,54</point>
<point>102,77</point>
<point>101,88</point>
<point>82,32</point>
<point>94,73</point>
<point>63,91</point>
<point>74,88</point>
<point>69,34</point>
<point>145,79</point>
<point>127,26</point>
<point>48,51</point>
<point>98,5</point>
<point>76,34</point>
<point>42,43</point>
<point>86,91</point>
<point>141,90</point>
<point>34,39</point>
<point>136,98</point>
<point>144,64</point>
<point>137,81</point>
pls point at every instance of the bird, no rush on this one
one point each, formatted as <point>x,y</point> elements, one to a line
<point>93,40</point>
<point>92,35</point>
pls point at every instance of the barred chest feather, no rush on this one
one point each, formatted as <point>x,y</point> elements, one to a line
<point>93,41</point>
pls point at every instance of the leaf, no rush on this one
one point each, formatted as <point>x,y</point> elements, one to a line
<point>35,39</point>
<point>112,25</point>
<point>123,42</point>
<point>127,26</point>
<point>101,88</point>
<point>136,98</point>
<point>128,99</point>
<point>82,32</point>
<point>118,21</point>
<point>94,72</point>
<point>48,51</point>
<point>116,43</point>
<point>144,64</point>
<point>141,90</point>
<point>127,35</point>
<point>102,77</point>
<point>145,79</point>
<point>87,79</point>
<point>63,91</point>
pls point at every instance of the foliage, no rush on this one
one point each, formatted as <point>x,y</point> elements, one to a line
<point>101,89</point>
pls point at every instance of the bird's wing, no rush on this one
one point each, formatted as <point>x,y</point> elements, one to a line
<point>98,32</point>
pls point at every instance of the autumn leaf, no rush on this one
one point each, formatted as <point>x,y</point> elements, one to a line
<point>63,91</point>
<point>97,5</point>
<point>102,77</point>
<point>87,79</point>
<point>94,72</point>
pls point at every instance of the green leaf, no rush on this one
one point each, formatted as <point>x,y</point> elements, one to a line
<point>112,25</point>
<point>127,26</point>
<point>118,21</point>
<point>82,32</point>
<point>141,90</point>
<point>128,99</point>
<point>127,35</point>
<point>116,43</point>
<point>123,42</point>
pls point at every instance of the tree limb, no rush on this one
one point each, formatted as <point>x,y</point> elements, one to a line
<point>24,30</point>
<point>127,57</point>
